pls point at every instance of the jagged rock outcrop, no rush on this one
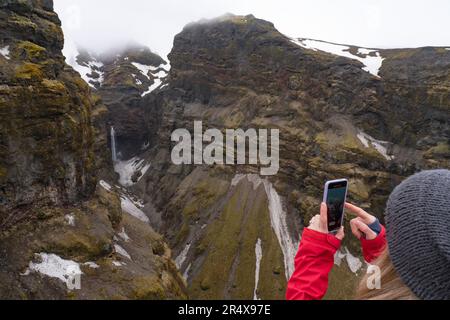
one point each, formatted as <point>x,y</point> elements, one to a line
<point>337,118</point>
<point>56,220</point>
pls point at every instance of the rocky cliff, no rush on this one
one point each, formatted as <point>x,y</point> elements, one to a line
<point>58,225</point>
<point>373,116</point>
<point>121,77</point>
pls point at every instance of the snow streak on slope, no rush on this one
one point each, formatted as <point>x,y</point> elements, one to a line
<point>85,69</point>
<point>371,59</point>
<point>182,256</point>
<point>131,208</point>
<point>158,74</point>
<point>105,185</point>
<point>258,254</point>
<point>278,219</point>
<point>122,251</point>
<point>379,145</point>
<point>279,225</point>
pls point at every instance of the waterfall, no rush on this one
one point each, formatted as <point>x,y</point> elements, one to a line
<point>113,145</point>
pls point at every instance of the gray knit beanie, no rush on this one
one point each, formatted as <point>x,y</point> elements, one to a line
<point>418,233</point>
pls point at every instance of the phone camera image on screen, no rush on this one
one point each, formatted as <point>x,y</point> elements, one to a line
<point>335,200</point>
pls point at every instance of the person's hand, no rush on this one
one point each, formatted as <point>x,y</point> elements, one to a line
<point>360,224</point>
<point>319,223</point>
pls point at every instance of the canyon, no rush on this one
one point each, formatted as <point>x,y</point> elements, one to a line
<point>87,179</point>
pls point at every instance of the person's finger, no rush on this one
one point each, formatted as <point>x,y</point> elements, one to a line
<point>354,228</point>
<point>323,217</point>
<point>368,218</point>
<point>340,234</point>
<point>364,228</point>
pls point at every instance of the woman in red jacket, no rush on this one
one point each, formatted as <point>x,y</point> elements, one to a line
<point>417,263</point>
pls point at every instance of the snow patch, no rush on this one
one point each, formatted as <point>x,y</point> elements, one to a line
<point>379,145</point>
<point>118,263</point>
<point>55,267</point>
<point>123,235</point>
<point>122,251</point>
<point>136,80</point>
<point>186,272</point>
<point>182,256</point>
<point>26,272</point>
<point>144,69</point>
<point>70,219</point>
<point>105,185</point>
<point>126,169</point>
<point>5,52</point>
<point>91,265</point>
<point>166,66</point>
<point>145,145</point>
<point>363,140</point>
<point>154,86</point>
<point>130,207</point>
<point>85,70</point>
<point>372,64</point>
<point>353,262</point>
<point>258,254</point>
<point>253,178</point>
<point>157,76</point>
<point>236,179</point>
<point>365,51</point>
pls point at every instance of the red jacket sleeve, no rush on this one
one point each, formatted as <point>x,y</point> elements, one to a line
<point>313,262</point>
<point>372,249</point>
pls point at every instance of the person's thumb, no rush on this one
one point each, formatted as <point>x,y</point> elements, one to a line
<point>364,228</point>
<point>323,217</point>
<point>340,234</point>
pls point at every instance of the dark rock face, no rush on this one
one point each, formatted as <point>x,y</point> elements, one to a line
<point>46,131</point>
<point>416,83</point>
<point>53,149</point>
<point>122,76</point>
<point>335,120</point>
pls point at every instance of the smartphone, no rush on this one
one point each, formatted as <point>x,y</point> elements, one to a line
<point>334,196</point>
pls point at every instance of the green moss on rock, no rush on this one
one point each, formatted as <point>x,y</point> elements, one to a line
<point>29,71</point>
<point>26,50</point>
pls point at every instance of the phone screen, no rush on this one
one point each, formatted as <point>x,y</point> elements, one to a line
<point>335,200</point>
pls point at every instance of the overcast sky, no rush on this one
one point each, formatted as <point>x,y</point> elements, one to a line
<point>99,24</point>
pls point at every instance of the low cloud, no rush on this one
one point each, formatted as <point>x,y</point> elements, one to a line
<point>101,24</point>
